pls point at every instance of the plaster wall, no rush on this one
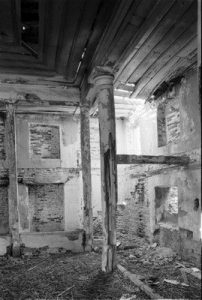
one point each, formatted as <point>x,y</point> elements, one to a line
<point>44,210</point>
<point>184,138</point>
<point>121,144</point>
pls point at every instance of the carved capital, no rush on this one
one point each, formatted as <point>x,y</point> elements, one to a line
<point>102,76</point>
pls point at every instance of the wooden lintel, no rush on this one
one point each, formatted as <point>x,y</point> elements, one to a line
<point>152,159</point>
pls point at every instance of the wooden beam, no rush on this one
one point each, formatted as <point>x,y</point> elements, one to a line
<point>86,173</point>
<point>199,51</point>
<point>104,83</point>
<point>11,157</point>
<point>151,159</point>
<point>135,279</point>
<point>36,94</point>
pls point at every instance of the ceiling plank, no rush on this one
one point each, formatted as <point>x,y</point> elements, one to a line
<point>170,18</point>
<point>159,10</point>
<point>172,51</point>
<point>70,19</point>
<point>135,17</point>
<point>81,38</point>
<point>103,16</point>
<point>7,32</point>
<point>182,25</point>
<point>178,63</point>
<point>121,8</point>
<point>53,20</point>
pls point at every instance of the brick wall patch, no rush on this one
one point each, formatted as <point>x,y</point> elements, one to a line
<point>46,207</point>
<point>44,141</point>
<point>173,123</point>
<point>2,137</point>
<point>4,225</point>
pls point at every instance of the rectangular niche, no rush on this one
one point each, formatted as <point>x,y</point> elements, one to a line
<point>172,123</point>
<point>168,123</point>
<point>46,207</point>
<point>4,215</point>
<point>161,125</point>
<point>44,141</point>
<point>166,205</point>
<point>2,136</point>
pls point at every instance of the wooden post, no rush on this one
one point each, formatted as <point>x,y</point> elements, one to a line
<point>11,158</point>
<point>104,83</point>
<point>86,175</point>
<point>199,51</point>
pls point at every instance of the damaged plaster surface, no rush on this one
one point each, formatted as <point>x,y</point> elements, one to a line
<point>178,133</point>
<point>49,181</point>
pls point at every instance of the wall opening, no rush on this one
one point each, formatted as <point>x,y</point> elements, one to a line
<point>168,123</point>
<point>2,136</point>
<point>166,205</point>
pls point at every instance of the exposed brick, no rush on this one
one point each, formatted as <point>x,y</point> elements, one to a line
<point>44,141</point>
<point>161,125</point>
<point>134,218</point>
<point>2,136</point>
<point>46,207</point>
<point>4,221</point>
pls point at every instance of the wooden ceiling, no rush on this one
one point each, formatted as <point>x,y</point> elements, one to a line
<point>146,42</point>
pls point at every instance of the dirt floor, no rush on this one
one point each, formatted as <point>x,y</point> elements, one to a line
<point>44,275</point>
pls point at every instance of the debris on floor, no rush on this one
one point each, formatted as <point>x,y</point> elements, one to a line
<point>59,274</point>
<point>62,276</point>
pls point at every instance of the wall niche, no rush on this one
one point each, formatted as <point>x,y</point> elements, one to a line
<point>46,207</point>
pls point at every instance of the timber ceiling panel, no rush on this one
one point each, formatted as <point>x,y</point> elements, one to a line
<point>144,41</point>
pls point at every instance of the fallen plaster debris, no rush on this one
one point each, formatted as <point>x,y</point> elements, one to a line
<point>135,279</point>
<point>128,297</point>
<point>172,281</point>
<point>175,282</point>
<point>195,270</point>
<point>196,274</point>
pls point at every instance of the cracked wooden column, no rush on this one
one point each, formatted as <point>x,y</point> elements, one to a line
<point>103,80</point>
<point>86,174</point>
<point>11,157</point>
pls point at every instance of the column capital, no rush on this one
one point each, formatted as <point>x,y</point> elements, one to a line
<point>102,75</point>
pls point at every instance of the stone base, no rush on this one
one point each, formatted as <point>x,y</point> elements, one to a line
<point>4,243</point>
<point>68,240</point>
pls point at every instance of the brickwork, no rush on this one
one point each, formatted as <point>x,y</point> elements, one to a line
<point>2,137</point>
<point>170,237</point>
<point>4,222</point>
<point>168,123</point>
<point>172,122</point>
<point>166,204</point>
<point>44,141</point>
<point>133,216</point>
<point>161,125</point>
<point>46,207</point>
<point>190,249</point>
